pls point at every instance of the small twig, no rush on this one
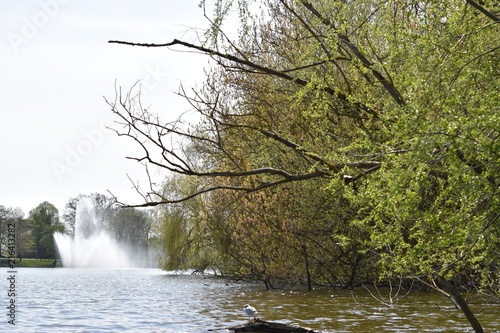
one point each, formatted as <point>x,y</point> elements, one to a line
<point>334,92</point>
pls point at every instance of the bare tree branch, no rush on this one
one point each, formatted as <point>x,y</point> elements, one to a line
<point>146,130</point>
<point>334,92</point>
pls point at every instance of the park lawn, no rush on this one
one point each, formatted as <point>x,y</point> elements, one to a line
<point>29,262</point>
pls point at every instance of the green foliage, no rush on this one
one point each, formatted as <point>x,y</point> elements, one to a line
<point>298,233</point>
<point>185,243</point>
<point>69,215</point>
<point>13,218</point>
<point>388,115</point>
<point>45,221</point>
<point>131,226</point>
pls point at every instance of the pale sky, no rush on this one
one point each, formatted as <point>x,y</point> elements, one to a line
<point>55,68</point>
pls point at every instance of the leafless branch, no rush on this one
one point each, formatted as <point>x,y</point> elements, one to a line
<point>149,133</point>
<point>249,64</point>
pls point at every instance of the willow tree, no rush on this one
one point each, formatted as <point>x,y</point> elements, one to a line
<point>184,238</point>
<point>392,104</point>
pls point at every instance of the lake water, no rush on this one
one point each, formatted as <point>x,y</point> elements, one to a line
<point>85,300</point>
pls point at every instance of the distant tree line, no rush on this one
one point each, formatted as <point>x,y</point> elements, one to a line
<point>34,233</point>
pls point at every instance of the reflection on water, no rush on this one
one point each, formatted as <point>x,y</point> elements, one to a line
<point>83,300</point>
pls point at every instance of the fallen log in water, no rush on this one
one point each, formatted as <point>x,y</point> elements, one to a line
<point>260,326</point>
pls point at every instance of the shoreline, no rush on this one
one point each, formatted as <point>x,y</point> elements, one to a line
<point>31,262</point>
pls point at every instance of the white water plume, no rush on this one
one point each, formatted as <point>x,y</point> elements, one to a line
<point>91,246</point>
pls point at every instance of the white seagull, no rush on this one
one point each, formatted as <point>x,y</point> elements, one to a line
<point>250,311</point>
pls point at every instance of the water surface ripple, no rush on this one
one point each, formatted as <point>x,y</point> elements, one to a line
<point>139,300</point>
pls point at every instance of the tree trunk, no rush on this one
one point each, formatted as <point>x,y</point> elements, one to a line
<point>308,273</point>
<point>450,288</point>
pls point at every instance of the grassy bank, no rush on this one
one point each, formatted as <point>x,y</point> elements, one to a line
<point>29,262</point>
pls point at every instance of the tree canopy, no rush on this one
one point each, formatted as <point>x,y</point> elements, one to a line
<point>45,221</point>
<point>340,141</point>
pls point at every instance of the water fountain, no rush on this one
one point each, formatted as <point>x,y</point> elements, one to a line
<point>91,246</point>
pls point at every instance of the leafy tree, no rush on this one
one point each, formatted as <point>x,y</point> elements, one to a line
<point>184,240</point>
<point>298,233</point>
<point>45,221</point>
<point>69,216</point>
<point>3,228</point>
<point>24,239</point>
<point>131,226</point>
<point>392,107</point>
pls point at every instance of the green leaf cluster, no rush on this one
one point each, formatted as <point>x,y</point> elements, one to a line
<point>394,104</point>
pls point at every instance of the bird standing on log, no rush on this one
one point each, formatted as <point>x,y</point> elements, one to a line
<point>250,311</point>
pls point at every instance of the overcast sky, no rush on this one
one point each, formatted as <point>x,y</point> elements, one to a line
<point>55,68</point>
